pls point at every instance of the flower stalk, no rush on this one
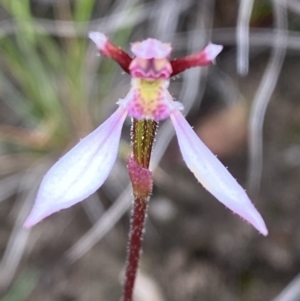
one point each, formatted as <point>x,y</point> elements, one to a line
<point>143,133</point>
<point>137,225</point>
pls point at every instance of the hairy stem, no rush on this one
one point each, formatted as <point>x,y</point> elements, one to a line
<point>138,216</point>
<point>143,133</point>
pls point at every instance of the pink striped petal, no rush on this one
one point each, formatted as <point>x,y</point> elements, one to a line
<point>213,175</point>
<point>81,171</point>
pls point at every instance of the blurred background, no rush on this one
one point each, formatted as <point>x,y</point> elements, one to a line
<point>54,89</point>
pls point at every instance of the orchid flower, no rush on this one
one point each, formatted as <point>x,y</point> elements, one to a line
<point>82,170</point>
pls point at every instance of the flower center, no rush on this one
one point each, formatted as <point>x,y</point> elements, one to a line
<point>149,99</point>
<point>150,69</point>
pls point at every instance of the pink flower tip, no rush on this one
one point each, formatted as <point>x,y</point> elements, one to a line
<point>34,217</point>
<point>99,39</point>
<point>151,49</point>
<point>212,51</point>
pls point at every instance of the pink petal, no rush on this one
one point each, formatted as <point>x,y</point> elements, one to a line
<point>213,175</point>
<point>81,171</point>
<point>202,58</point>
<point>211,51</point>
<point>99,39</point>
<point>151,49</point>
<point>110,50</point>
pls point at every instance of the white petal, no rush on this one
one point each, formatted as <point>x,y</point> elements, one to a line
<point>213,175</point>
<point>99,39</point>
<point>212,51</point>
<point>81,171</point>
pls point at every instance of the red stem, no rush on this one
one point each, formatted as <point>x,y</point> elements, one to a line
<point>141,179</point>
<point>136,235</point>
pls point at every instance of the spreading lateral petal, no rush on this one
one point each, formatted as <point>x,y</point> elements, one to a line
<point>213,175</point>
<point>81,171</point>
